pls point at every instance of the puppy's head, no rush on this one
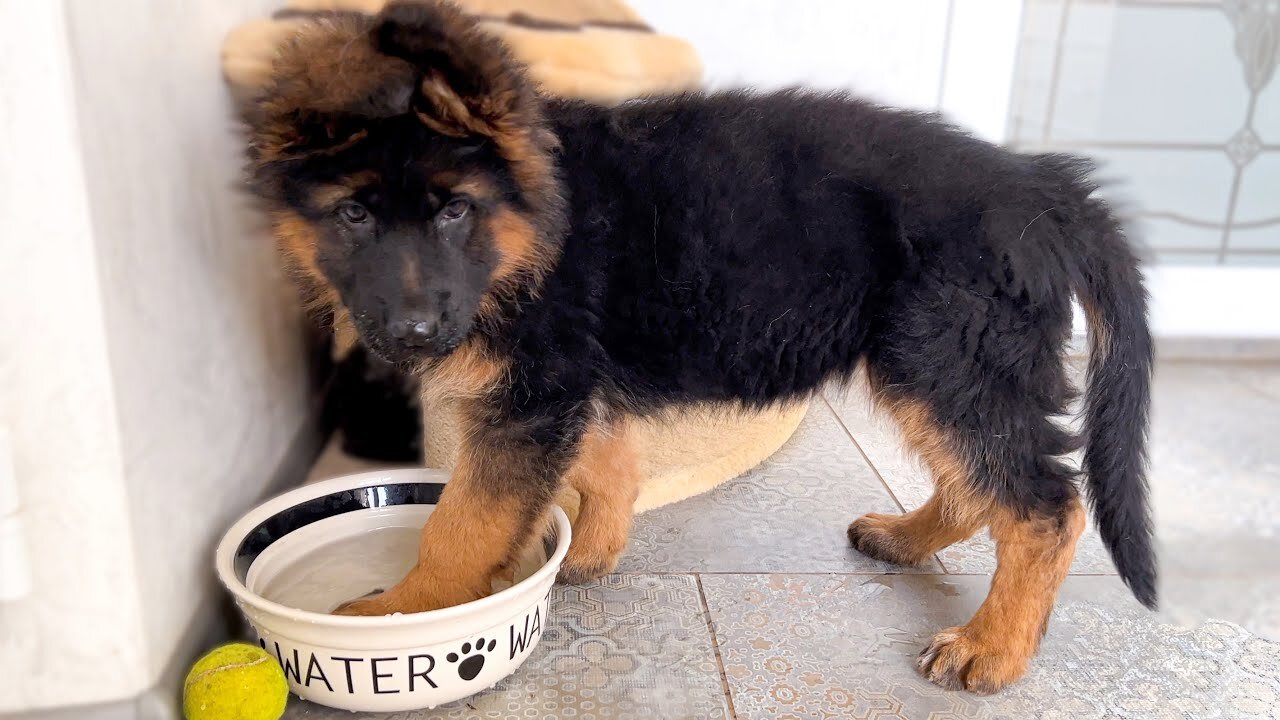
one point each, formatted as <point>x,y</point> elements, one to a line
<point>409,172</point>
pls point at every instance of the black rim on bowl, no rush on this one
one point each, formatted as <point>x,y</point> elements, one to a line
<point>327,506</point>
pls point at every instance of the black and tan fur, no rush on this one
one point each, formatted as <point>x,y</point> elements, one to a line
<point>555,268</point>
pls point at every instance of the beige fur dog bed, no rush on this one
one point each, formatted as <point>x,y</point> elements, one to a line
<point>597,50</point>
<point>681,454</point>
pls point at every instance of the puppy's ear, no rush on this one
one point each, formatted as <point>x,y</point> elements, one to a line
<point>471,86</point>
<point>327,84</point>
<point>470,83</point>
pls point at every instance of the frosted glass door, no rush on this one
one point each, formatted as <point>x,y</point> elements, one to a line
<point>1179,100</point>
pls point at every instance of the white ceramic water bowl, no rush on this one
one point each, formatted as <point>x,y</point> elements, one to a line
<point>294,558</point>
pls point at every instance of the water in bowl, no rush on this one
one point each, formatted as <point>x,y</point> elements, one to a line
<point>350,556</point>
<point>329,575</point>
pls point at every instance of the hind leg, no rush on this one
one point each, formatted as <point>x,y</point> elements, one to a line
<point>1035,522</point>
<point>912,538</point>
<point>954,513</point>
<point>975,402</point>
<point>1033,555</point>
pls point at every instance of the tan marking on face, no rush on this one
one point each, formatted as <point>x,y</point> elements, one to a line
<point>529,152</point>
<point>296,243</point>
<point>516,241</point>
<point>410,272</point>
<point>338,147</point>
<point>345,335</point>
<point>446,178</point>
<point>329,195</point>
<point>478,187</point>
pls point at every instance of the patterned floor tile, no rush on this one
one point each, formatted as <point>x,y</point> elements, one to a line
<point>843,647</point>
<point>911,484</point>
<point>631,648</point>
<point>789,514</point>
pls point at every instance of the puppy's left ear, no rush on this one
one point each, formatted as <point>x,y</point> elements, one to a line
<point>471,86</point>
<point>470,83</point>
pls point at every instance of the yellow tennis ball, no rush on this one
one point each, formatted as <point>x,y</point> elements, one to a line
<point>237,681</point>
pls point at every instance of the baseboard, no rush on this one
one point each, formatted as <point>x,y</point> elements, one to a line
<point>1228,349</point>
<point>1203,349</point>
<point>122,710</point>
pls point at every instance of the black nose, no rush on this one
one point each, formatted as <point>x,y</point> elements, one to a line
<point>414,328</point>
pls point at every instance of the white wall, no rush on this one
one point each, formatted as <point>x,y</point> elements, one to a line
<point>153,353</point>
<point>891,51</point>
<point>950,55</point>
<point>204,341</point>
<point>78,637</point>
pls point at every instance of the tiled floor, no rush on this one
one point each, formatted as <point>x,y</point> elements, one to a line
<point>746,602</point>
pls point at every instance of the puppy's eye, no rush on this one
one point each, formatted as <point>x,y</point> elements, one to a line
<point>354,213</point>
<point>455,209</point>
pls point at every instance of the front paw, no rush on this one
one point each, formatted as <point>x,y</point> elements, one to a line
<point>368,607</point>
<point>580,571</point>
<point>590,559</point>
<point>396,600</point>
<point>413,595</point>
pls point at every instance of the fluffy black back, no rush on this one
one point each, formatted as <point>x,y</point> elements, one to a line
<point>746,247</point>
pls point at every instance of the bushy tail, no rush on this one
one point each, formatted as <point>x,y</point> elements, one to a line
<point>1109,285</point>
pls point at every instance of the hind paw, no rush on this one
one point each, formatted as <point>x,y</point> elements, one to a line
<point>875,536</point>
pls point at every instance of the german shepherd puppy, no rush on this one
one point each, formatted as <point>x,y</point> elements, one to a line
<point>556,268</point>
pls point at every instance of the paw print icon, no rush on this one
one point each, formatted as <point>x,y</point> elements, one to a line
<point>470,658</point>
